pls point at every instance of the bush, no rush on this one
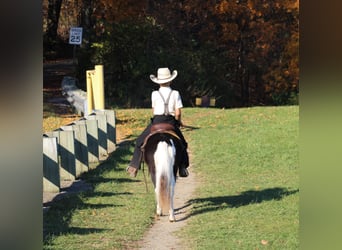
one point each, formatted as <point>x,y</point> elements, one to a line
<point>285,98</point>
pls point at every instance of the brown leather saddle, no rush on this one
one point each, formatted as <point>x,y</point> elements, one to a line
<point>165,128</point>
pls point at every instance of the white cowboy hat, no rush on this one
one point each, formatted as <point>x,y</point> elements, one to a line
<point>163,76</point>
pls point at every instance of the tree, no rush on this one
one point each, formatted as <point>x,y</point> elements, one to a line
<point>243,52</point>
<point>53,12</point>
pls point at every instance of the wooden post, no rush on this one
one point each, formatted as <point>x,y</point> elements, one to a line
<point>102,133</point>
<point>212,101</point>
<point>92,140</point>
<point>111,128</point>
<point>55,134</point>
<point>51,179</point>
<point>198,101</point>
<point>81,148</point>
<point>67,153</point>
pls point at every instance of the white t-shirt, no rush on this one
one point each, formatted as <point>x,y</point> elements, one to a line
<point>175,101</point>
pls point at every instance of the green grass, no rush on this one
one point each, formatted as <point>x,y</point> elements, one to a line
<point>247,161</point>
<point>112,216</point>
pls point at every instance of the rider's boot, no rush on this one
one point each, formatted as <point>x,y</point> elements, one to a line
<point>134,165</point>
<point>183,172</point>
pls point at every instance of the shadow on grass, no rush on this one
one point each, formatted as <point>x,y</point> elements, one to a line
<point>209,204</point>
<point>115,159</point>
<point>57,219</point>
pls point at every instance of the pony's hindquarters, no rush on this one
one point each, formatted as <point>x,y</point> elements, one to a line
<point>164,158</point>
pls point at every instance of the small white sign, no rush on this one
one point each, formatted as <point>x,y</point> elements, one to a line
<point>75,35</point>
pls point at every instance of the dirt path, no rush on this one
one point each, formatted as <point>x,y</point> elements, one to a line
<point>162,234</point>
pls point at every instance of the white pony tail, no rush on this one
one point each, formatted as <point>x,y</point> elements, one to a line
<point>164,158</point>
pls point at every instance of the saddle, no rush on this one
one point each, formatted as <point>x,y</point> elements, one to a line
<point>165,128</point>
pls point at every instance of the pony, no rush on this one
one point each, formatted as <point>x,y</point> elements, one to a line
<point>162,154</point>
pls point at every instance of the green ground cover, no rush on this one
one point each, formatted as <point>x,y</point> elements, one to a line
<point>247,161</point>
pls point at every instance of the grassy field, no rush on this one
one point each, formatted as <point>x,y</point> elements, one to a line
<point>247,161</point>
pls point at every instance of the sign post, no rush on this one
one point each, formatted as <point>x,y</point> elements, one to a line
<point>75,38</point>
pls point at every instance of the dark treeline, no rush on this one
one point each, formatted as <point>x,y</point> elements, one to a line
<point>242,52</point>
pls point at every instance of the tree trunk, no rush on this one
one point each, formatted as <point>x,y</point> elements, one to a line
<point>242,74</point>
<point>54,9</point>
<point>239,71</point>
<point>86,21</point>
<point>245,83</point>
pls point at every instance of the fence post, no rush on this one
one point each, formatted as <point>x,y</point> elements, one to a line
<point>102,133</point>
<point>67,154</point>
<point>111,128</point>
<point>81,147</point>
<point>198,101</point>
<point>92,140</point>
<point>212,101</point>
<point>51,178</point>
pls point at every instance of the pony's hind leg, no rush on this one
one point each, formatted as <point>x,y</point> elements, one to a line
<point>158,210</point>
<point>172,217</point>
<point>171,210</point>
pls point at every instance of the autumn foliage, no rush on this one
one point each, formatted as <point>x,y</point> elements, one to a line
<point>242,52</point>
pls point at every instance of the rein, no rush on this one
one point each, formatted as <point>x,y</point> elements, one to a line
<point>143,169</point>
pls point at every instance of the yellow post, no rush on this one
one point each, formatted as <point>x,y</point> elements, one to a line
<point>98,87</point>
<point>90,99</point>
<point>198,101</point>
<point>212,101</point>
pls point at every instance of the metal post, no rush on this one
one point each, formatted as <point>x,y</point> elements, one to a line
<point>99,88</point>
<point>90,96</point>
